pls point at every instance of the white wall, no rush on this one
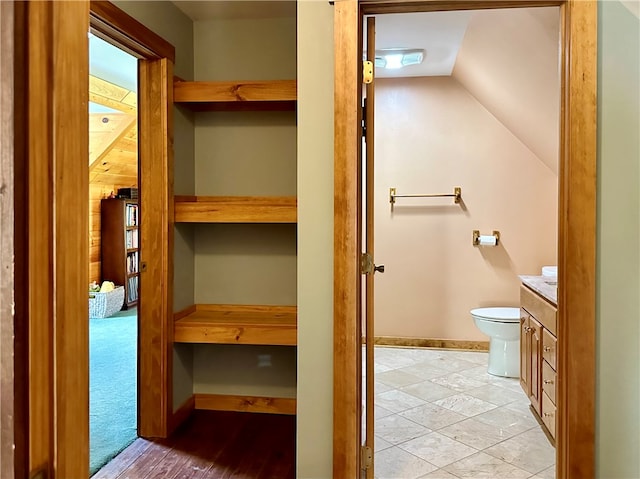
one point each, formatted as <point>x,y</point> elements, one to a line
<point>618,285</point>
<point>431,135</point>
<point>315,240</point>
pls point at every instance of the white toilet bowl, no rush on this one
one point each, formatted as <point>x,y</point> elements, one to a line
<point>502,325</point>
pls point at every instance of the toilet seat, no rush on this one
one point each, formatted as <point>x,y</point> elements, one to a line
<point>498,315</point>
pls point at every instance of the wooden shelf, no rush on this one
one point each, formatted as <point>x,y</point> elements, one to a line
<point>236,95</point>
<point>236,324</point>
<point>235,209</point>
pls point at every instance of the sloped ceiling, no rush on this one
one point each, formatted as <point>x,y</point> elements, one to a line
<point>509,61</point>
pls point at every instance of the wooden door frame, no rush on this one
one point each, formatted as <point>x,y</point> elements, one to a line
<point>576,231</point>
<point>155,145</point>
<point>51,179</point>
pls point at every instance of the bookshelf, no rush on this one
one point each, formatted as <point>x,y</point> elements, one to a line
<point>121,245</point>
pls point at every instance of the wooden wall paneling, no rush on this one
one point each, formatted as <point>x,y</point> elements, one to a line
<point>156,242</point>
<point>40,234</point>
<point>577,248</point>
<point>71,255</point>
<point>347,246</point>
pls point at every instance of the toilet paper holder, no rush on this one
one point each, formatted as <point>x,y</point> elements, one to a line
<point>486,240</point>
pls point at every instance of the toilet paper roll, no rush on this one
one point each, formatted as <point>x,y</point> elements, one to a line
<point>487,240</point>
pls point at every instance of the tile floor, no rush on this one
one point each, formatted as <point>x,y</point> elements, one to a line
<point>440,415</point>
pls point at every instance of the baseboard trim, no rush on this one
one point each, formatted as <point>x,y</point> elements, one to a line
<point>224,402</point>
<point>432,343</point>
<point>181,414</point>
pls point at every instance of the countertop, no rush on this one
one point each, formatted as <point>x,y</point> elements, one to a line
<point>540,284</point>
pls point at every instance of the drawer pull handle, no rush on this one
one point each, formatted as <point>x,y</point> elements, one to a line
<point>548,381</point>
<point>547,348</point>
<point>548,414</point>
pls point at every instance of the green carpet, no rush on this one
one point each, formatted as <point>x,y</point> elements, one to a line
<point>113,347</point>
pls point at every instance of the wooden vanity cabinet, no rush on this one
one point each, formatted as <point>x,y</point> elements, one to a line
<point>538,377</point>
<point>530,354</point>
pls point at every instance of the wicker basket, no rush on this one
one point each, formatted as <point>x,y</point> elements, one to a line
<point>103,305</point>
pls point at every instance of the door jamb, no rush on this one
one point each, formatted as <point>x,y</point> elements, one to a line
<point>576,232</point>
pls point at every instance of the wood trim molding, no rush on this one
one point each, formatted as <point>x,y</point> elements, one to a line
<point>7,282</point>
<point>410,6</point>
<point>70,93</point>
<point>39,156</point>
<point>111,23</point>
<point>432,343</point>
<point>347,364</point>
<point>227,402</point>
<point>156,231</point>
<point>576,244</point>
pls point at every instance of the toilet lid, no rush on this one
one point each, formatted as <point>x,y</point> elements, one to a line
<point>497,314</point>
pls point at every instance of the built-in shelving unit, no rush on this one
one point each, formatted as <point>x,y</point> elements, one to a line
<point>224,381</point>
<point>276,95</point>
<point>236,324</point>
<point>235,209</point>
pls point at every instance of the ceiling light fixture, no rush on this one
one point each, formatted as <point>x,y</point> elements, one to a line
<point>394,58</point>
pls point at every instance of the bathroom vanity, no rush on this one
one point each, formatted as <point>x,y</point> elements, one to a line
<point>538,339</point>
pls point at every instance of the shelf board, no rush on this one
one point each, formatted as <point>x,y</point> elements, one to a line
<point>235,209</point>
<point>276,95</point>
<point>236,324</point>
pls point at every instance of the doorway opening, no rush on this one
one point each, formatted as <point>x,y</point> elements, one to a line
<point>114,251</point>
<point>454,119</point>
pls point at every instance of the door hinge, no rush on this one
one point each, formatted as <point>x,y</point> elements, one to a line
<point>367,72</point>
<point>366,457</point>
<point>366,264</point>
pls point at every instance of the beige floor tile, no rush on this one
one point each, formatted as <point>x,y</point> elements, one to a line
<point>380,412</point>
<point>457,382</point>
<point>425,371</point>
<point>437,449</point>
<point>513,422</point>
<point>482,465</point>
<point>451,364</point>
<point>432,416</point>
<point>395,463</point>
<point>397,378</point>
<point>475,433</point>
<point>497,395</point>
<point>464,404</point>
<point>428,391</point>
<point>530,451</point>
<point>380,444</point>
<point>397,401</point>
<point>439,474</point>
<point>397,429</point>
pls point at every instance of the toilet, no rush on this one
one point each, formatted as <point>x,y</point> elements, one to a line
<point>502,325</point>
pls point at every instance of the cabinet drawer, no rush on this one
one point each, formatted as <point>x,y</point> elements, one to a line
<point>539,308</point>
<point>549,414</point>
<point>549,348</point>
<point>549,381</point>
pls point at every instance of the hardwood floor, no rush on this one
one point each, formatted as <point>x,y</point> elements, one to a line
<point>213,445</point>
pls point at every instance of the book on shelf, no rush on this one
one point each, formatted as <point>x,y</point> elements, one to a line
<point>131,215</point>
<point>132,239</point>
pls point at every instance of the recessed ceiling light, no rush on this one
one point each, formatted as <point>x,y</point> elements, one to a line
<point>394,58</point>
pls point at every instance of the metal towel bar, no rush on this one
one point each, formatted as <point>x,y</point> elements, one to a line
<point>457,195</point>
